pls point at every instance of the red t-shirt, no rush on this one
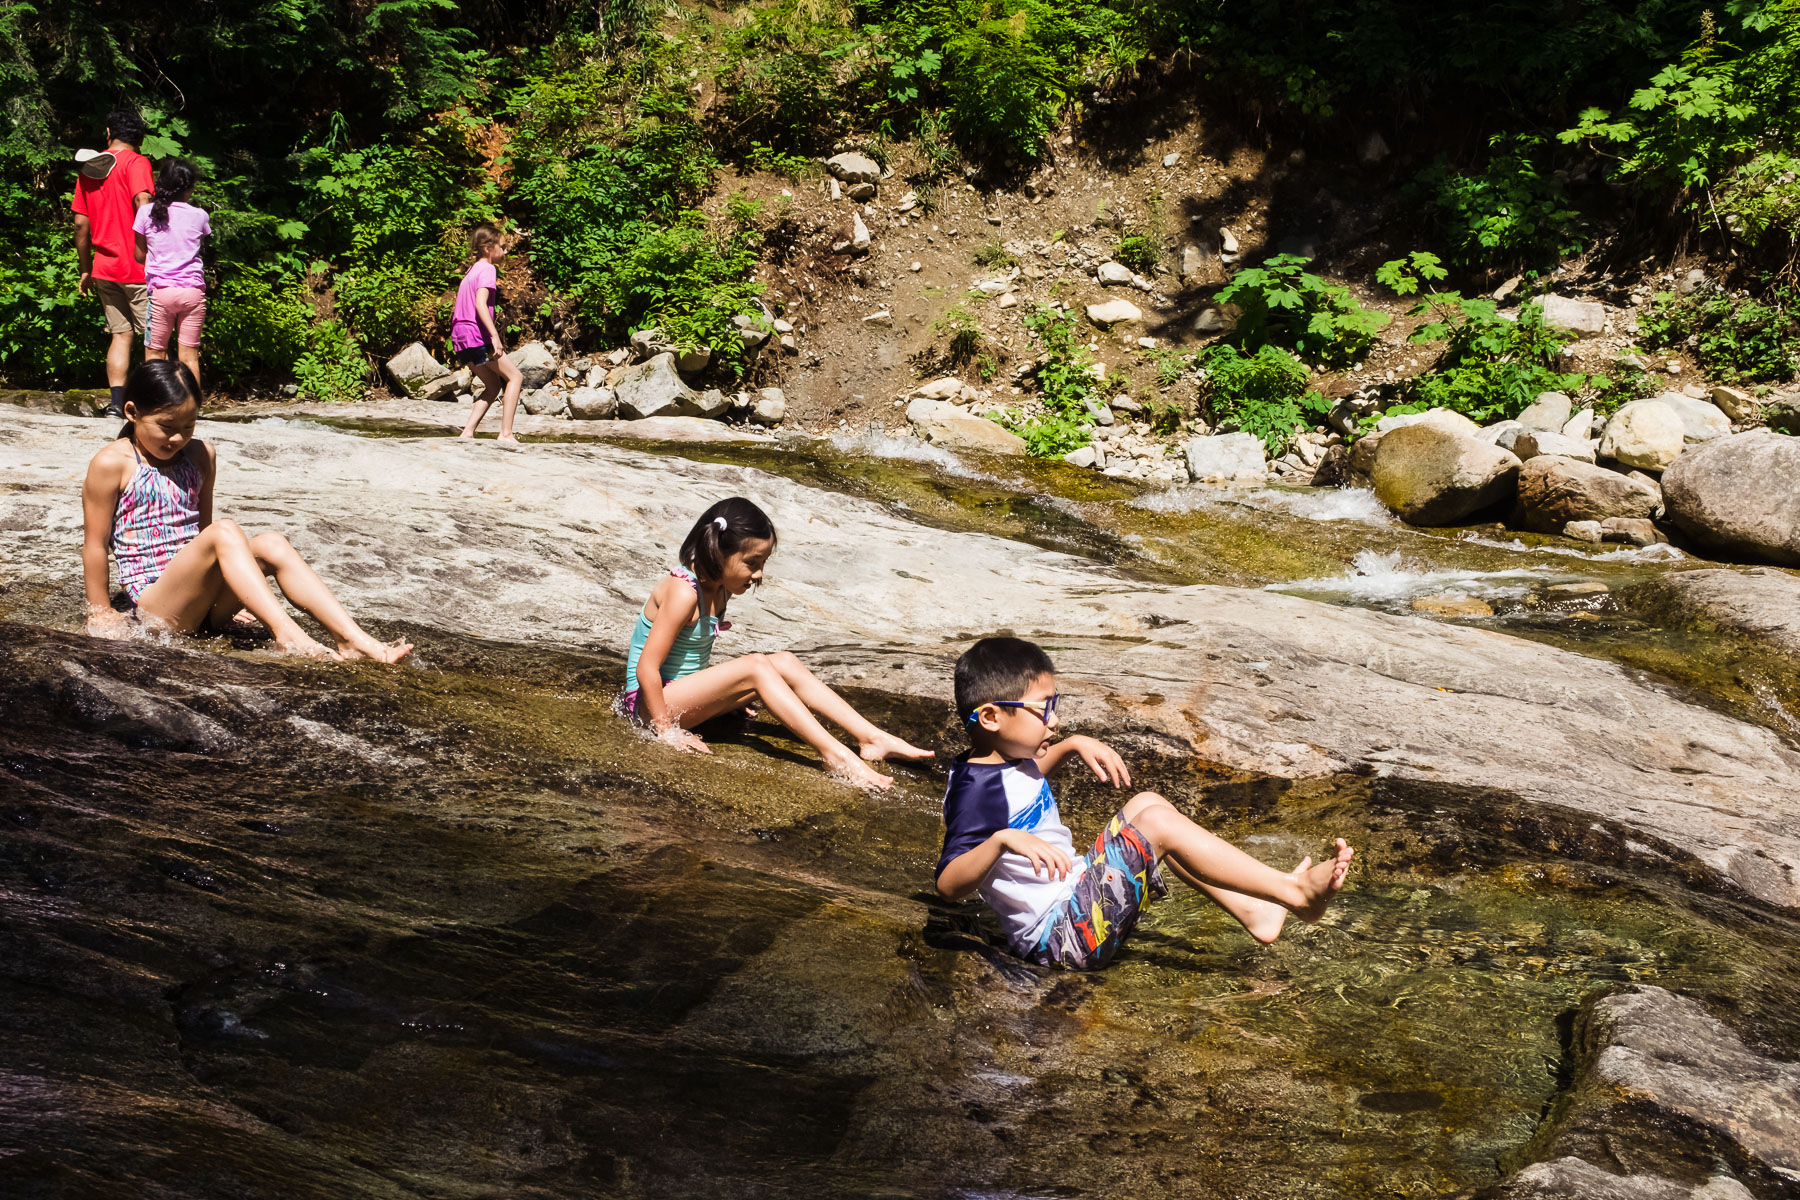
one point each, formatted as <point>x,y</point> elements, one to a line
<point>107,204</point>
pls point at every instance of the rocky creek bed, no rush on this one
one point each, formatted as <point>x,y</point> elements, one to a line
<point>282,928</point>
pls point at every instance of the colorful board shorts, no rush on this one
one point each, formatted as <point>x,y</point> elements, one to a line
<point>1089,927</point>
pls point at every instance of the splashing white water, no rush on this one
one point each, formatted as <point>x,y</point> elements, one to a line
<point>1661,552</point>
<point>875,443</point>
<point>1315,504</point>
<point>1377,578</point>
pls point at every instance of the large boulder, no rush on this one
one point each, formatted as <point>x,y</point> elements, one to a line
<point>952,427</point>
<point>1432,476</point>
<point>1114,312</point>
<point>1548,413</point>
<point>446,388</point>
<point>414,368</point>
<point>1739,495</point>
<point>1227,458</point>
<point>593,403</point>
<point>1782,413</point>
<point>535,363</point>
<point>1579,316</point>
<point>1646,434</point>
<point>1701,420</point>
<point>710,404</point>
<point>853,168</point>
<point>1443,418</point>
<point>545,402</point>
<point>654,388</point>
<point>1553,491</point>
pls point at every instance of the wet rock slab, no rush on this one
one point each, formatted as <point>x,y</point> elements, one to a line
<point>558,544</point>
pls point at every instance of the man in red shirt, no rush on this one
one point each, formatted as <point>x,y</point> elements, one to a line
<point>105,204</point>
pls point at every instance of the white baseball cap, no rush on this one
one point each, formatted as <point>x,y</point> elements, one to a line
<point>95,164</point>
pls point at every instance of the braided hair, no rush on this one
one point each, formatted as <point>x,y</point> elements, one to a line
<point>720,532</point>
<point>176,180</point>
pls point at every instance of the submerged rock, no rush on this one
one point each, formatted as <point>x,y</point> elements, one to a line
<point>1739,495</point>
<point>1758,603</point>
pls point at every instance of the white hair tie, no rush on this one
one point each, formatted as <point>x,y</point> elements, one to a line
<point>720,522</point>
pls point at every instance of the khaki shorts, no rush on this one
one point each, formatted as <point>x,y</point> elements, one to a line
<point>127,305</point>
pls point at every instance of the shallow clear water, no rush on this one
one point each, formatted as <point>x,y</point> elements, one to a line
<point>277,928</point>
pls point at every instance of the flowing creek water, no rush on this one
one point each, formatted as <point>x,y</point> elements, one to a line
<point>277,928</point>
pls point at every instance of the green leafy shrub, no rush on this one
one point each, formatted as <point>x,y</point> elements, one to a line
<point>1491,367</point>
<point>255,328</point>
<point>1138,252</point>
<point>47,332</point>
<point>1624,382</point>
<point>332,367</point>
<point>1005,87</point>
<point>686,282</point>
<point>387,304</point>
<point>1284,304</point>
<point>965,345</point>
<point>1066,386</point>
<point>1735,339</point>
<point>1509,213</point>
<point>1263,393</point>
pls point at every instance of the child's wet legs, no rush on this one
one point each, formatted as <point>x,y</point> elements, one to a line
<point>1204,858</point>
<point>220,561</point>
<point>873,742</point>
<point>302,585</point>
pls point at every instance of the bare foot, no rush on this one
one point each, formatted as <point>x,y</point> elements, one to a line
<point>1322,881</point>
<point>467,433</point>
<point>308,648</point>
<point>886,745</point>
<point>856,773</point>
<point>1264,922</point>
<point>368,647</point>
<point>507,437</point>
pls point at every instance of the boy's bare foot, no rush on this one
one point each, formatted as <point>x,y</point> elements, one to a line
<point>1321,882</point>
<point>853,771</point>
<point>1264,922</point>
<point>368,647</point>
<point>886,745</point>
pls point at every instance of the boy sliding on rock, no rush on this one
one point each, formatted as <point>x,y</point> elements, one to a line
<point>1003,837</point>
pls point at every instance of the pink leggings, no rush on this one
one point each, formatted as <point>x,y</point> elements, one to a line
<point>179,311</point>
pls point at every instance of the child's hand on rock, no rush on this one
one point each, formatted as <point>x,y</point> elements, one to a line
<point>1102,759</point>
<point>108,623</point>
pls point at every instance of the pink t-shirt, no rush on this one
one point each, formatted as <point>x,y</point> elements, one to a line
<point>466,330</point>
<point>172,255</point>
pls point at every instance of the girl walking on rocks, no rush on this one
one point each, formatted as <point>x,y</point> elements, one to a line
<point>148,499</point>
<point>475,336</point>
<point>672,687</point>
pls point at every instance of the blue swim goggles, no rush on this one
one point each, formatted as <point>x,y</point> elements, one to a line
<point>1031,706</point>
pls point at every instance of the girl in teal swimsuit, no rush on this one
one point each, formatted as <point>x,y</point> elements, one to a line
<point>672,687</point>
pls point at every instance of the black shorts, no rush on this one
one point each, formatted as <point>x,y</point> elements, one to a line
<point>475,356</point>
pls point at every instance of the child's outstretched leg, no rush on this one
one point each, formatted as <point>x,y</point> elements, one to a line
<point>302,585</point>
<point>1255,893</point>
<point>718,689</point>
<point>873,742</point>
<point>216,570</point>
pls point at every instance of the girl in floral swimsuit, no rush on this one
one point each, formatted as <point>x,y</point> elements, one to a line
<point>148,499</point>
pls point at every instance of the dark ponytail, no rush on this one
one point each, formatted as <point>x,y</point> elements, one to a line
<point>177,179</point>
<point>720,532</point>
<point>159,383</point>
